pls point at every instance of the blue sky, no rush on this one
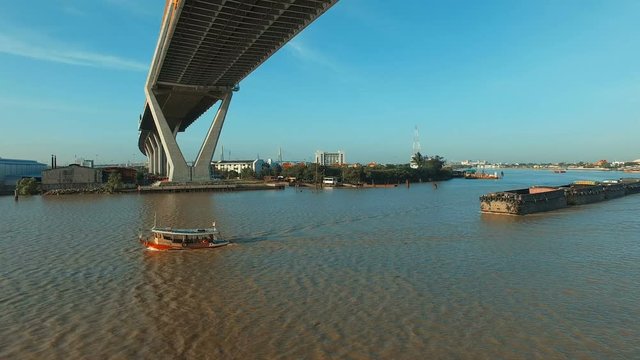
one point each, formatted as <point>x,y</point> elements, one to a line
<point>535,80</point>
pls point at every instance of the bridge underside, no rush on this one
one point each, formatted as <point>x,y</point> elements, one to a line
<point>205,48</point>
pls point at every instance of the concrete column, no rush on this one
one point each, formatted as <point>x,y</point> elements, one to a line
<point>147,151</point>
<point>164,165</point>
<point>176,130</point>
<point>175,136</point>
<point>178,169</point>
<point>162,158</point>
<point>202,166</point>
<point>158,154</point>
<point>153,157</point>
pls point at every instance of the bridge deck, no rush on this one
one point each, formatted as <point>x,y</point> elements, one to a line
<point>209,46</point>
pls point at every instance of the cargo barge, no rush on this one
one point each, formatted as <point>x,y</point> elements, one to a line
<point>547,198</point>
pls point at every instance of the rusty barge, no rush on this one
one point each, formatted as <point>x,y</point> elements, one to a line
<point>547,198</point>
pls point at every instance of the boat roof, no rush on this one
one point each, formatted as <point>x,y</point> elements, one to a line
<point>172,231</point>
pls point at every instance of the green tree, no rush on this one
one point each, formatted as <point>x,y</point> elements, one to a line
<point>114,182</point>
<point>434,164</point>
<point>27,186</point>
<point>140,177</point>
<point>354,175</point>
<point>232,174</point>
<point>309,173</point>
<point>417,160</point>
<point>247,174</point>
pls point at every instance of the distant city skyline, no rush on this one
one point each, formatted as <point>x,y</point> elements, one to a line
<point>528,81</point>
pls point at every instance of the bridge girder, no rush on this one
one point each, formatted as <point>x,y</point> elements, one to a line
<point>205,48</point>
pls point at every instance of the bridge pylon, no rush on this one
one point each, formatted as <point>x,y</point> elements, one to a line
<point>165,155</point>
<point>202,165</point>
<point>170,158</point>
<point>204,49</point>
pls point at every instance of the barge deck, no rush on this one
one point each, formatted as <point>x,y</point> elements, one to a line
<point>547,198</point>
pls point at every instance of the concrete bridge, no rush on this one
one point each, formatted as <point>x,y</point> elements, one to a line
<point>205,48</point>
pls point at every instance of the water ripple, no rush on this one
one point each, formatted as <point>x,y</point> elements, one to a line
<point>385,273</point>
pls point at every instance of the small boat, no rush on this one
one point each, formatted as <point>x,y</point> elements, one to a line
<point>162,239</point>
<point>560,171</point>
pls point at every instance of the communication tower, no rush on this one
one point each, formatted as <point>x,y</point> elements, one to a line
<point>416,142</point>
<point>416,149</point>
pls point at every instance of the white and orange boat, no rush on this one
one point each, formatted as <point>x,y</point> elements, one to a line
<point>162,239</point>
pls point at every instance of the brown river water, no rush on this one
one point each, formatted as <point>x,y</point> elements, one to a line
<point>391,273</point>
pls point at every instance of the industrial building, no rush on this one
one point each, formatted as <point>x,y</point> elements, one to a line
<point>12,170</point>
<point>71,177</point>
<point>329,158</point>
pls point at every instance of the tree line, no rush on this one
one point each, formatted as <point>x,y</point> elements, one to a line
<point>421,168</point>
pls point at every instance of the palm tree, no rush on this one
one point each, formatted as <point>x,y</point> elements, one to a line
<point>417,160</point>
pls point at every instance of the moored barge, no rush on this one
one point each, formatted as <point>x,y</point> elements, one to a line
<point>546,198</point>
<point>523,201</point>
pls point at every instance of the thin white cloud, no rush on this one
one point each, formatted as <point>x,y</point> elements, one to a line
<point>302,51</point>
<point>40,48</point>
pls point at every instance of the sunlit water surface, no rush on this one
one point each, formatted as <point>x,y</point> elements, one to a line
<point>380,273</point>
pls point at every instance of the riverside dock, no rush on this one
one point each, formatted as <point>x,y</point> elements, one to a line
<point>547,198</point>
<point>195,187</point>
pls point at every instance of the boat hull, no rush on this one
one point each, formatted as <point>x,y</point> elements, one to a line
<point>154,245</point>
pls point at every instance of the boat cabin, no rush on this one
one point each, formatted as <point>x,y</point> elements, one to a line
<point>183,239</point>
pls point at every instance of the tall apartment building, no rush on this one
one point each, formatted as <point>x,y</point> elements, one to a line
<point>329,158</point>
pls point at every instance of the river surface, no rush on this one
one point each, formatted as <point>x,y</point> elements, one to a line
<point>391,273</point>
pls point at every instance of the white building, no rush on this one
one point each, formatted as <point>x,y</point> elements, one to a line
<point>239,165</point>
<point>329,158</point>
<point>473,162</point>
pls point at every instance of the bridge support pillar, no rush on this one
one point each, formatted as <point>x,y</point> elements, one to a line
<point>157,155</point>
<point>202,165</point>
<point>177,167</point>
<point>153,157</point>
<point>147,152</point>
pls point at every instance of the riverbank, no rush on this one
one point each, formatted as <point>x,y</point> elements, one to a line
<point>195,187</point>
<point>173,188</point>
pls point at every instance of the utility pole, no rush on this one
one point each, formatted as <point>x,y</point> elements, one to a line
<point>316,174</point>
